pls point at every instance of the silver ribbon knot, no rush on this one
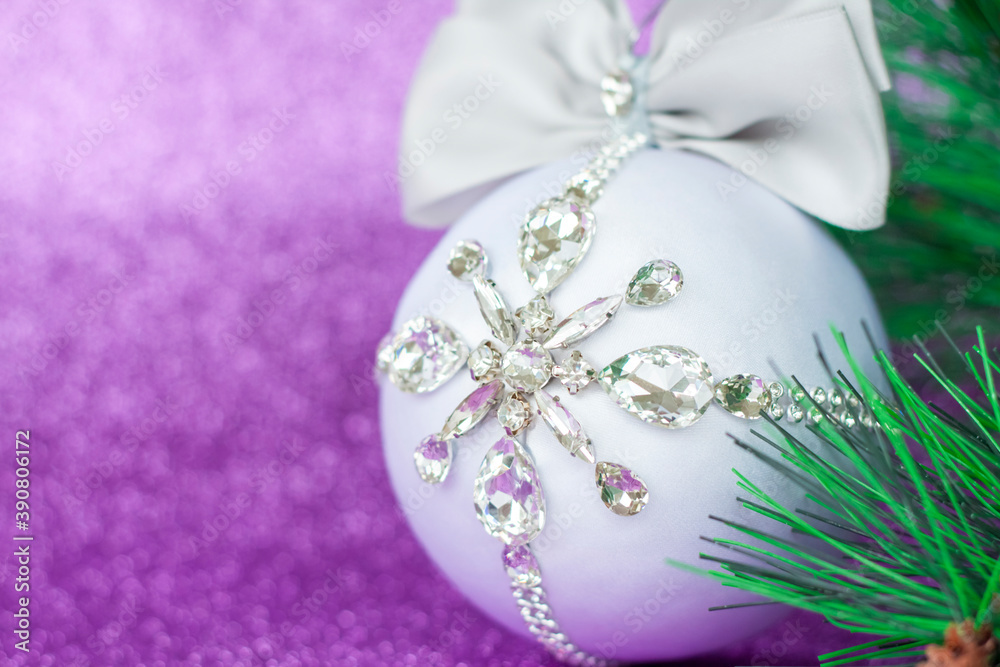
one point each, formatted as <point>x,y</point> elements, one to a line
<point>786,92</point>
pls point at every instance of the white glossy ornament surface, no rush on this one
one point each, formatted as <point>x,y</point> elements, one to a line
<point>661,205</point>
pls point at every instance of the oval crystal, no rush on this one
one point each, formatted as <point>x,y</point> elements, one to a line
<point>583,322</point>
<point>494,310</point>
<point>472,410</point>
<point>564,426</point>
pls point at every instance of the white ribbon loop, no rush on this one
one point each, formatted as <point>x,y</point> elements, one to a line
<point>786,92</point>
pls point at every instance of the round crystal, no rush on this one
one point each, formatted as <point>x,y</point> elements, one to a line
<point>514,414</point>
<point>423,355</point>
<point>575,373</point>
<point>536,317</point>
<point>745,396</point>
<point>656,282</point>
<point>664,384</point>
<point>433,459</point>
<point>846,418</point>
<point>467,260</point>
<point>484,362</point>
<point>527,366</point>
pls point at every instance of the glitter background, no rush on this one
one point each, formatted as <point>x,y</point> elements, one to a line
<point>200,253</point>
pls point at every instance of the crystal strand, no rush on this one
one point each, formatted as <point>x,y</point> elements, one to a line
<point>537,615</point>
<point>589,184</point>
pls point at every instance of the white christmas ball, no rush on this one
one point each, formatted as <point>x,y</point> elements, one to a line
<point>760,279</point>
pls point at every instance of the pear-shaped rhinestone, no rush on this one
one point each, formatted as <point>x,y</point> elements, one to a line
<point>664,384</point>
<point>433,459</point>
<point>583,322</point>
<point>622,492</point>
<point>745,396</point>
<point>467,260</point>
<point>617,93</point>
<point>472,409</point>
<point>423,355</point>
<point>564,426</point>
<point>527,366</point>
<point>554,238</point>
<point>507,495</point>
<point>494,310</point>
<point>657,282</point>
<point>521,566</point>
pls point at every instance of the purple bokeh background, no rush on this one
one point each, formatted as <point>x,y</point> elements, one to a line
<point>200,252</point>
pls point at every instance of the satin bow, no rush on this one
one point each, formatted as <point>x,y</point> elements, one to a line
<point>784,91</point>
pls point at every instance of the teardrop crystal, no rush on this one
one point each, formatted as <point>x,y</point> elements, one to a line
<point>564,426</point>
<point>664,384</point>
<point>745,396</point>
<point>494,310</point>
<point>433,459</point>
<point>583,322</point>
<point>622,492</point>
<point>554,238</point>
<point>521,566</point>
<point>657,282</point>
<point>467,259</point>
<point>472,410</point>
<point>507,495</point>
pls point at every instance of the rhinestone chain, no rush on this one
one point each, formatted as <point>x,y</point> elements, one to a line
<point>588,185</point>
<point>537,615</point>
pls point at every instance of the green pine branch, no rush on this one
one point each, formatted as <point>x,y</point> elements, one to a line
<point>936,259</point>
<point>902,537</point>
